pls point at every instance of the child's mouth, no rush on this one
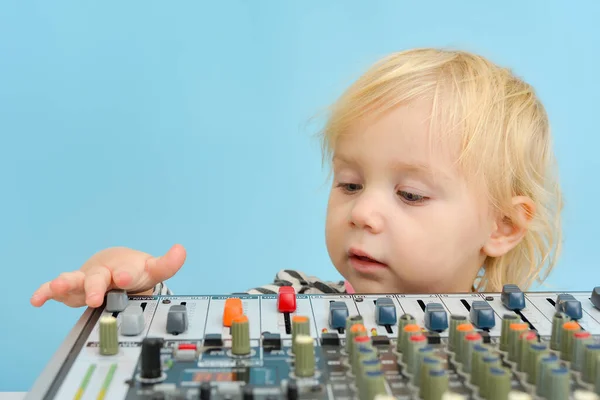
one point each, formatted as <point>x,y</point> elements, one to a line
<point>364,262</point>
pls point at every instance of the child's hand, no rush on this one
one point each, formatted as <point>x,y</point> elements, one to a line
<point>117,267</point>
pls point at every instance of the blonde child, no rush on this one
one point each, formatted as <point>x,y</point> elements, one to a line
<point>443,181</point>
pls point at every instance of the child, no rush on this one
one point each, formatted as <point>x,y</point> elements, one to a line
<point>443,181</point>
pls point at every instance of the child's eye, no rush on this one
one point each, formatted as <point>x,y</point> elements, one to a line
<point>349,187</point>
<point>411,197</point>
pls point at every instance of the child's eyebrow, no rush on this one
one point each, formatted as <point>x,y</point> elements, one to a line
<point>419,169</point>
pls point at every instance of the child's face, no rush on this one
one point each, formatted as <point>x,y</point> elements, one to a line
<point>427,230</point>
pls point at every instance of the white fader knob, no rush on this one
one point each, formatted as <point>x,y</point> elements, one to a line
<point>132,320</point>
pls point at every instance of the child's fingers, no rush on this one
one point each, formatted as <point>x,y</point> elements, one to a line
<point>67,283</point>
<point>162,268</point>
<point>59,289</point>
<point>97,281</point>
<point>41,295</point>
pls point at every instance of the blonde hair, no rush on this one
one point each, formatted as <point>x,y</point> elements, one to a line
<point>504,135</point>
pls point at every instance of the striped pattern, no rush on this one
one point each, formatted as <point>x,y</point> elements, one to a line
<point>302,284</point>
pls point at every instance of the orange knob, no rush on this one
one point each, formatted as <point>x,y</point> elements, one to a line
<point>233,309</point>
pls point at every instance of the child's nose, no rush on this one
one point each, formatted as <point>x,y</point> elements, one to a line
<point>366,214</point>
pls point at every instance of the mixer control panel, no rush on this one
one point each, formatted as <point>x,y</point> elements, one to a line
<point>487,346</point>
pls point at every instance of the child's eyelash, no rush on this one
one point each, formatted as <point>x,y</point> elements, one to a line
<point>349,187</point>
<point>408,197</point>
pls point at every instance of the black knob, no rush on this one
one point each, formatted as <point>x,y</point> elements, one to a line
<point>151,365</point>
<point>205,391</point>
<point>247,393</point>
<point>292,391</point>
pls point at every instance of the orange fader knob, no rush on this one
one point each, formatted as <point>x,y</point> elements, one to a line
<point>233,309</point>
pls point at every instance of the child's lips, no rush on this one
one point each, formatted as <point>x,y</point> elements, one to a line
<point>363,261</point>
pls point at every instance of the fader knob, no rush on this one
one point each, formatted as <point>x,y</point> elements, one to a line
<point>338,312</point>
<point>512,297</point>
<point>305,356</point>
<point>436,318</point>
<point>595,298</point>
<point>109,337</point>
<point>132,320</point>
<point>240,336</point>
<point>116,300</point>
<point>482,315</point>
<point>569,305</point>
<point>150,359</point>
<point>177,319</point>
<point>385,311</point>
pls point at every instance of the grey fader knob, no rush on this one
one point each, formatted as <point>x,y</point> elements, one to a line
<point>116,300</point>
<point>177,319</point>
<point>595,298</point>
<point>132,320</point>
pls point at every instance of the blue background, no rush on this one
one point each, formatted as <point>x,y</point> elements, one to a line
<point>145,124</point>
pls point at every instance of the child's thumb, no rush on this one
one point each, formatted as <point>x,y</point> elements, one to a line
<point>162,268</point>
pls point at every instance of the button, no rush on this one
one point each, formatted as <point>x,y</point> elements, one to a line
<point>338,312</point>
<point>569,305</point>
<point>286,299</point>
<point>177,319</point>
<point>132,320</point>
<point>233,309</point>
<point>596,297</point>
<point>116,300</point>
<point>330,339</point>
<point>213,340</point>
<point>380,340</point>
<point>433,337</point>
<point>512,297</point>
<point>271,341</point>
<point>436,318</point>
<point>385,311</point>
<point>482,315</point>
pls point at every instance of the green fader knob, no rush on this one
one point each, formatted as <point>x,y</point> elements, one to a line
<point>305,356</point>
<point>371,384</point>
<point>300,326</point>
<point>350,322</point>
<point>109,337</point>
<point>405,319</point>
<point>240,336</point>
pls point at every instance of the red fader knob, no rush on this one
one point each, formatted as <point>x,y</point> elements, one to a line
<point>286,300</point>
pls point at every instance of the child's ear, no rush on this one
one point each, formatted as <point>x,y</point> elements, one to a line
<point>506,232</point>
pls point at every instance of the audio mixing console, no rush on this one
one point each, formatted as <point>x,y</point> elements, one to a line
<point>489,346</point>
